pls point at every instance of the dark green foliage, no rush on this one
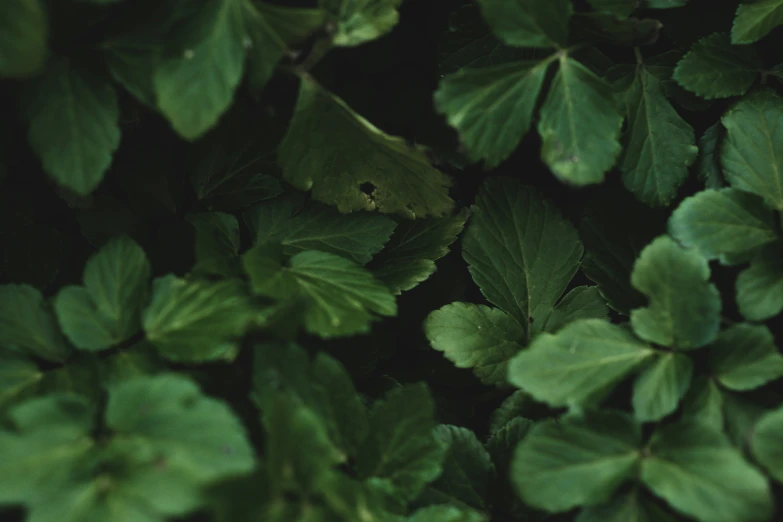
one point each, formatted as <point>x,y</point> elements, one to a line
<point>391,260</point>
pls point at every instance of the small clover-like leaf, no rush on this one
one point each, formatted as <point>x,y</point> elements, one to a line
<point>684,308</point>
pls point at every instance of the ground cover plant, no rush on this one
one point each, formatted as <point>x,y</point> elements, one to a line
<point>387,261</point>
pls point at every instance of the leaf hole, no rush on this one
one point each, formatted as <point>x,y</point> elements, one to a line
<point>367,187</point>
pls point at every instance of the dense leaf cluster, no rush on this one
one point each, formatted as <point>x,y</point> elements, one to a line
<point>386,261</point>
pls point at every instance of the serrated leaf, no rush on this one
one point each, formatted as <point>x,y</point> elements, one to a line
<point>576,462</point>
<point>196,320</point>
<point>744,357</point>
<point>723,222</point>
<point>491,108</point>
<point>755,124</point>
<point>27,324</point>
<point>660,145</point>
<point>74,129</point>
<point>633,505</point>
<point>300,226</point>
<point>49,437</point>
<point>470,43</point>
<point>18,377</point>
<point>408,258</point>
<point>340,296</point>
<point>685,461</point>
<point>231,169</point>
<point>520,251</point>
<point>195,79</point>
<point>217,243</point>
<point>298,446</point>
<point>169,415</point>
<point>528,23</point>
<point>659,388</point>
<point>582,302</point>
<point>765,443</point>
<point>664,4</point>
<point>708,164</point>
<point>347,152</point>
<point>139,360</point>
<point>106,310</point>
<point>501,446</point>
<point>579,124</point>
<point>518,404</point>
<point>714,68</point>
<point>402,450</point>
<point>360,21</point>
<point>467,470</point>
<point>581,359</point>
<point>754,20</point>
<point>684,307</point>
<point>614,236</point>
<point>760,286</point>
<point>24,29</point>
<point>602,27</point>
<point>477,337</point>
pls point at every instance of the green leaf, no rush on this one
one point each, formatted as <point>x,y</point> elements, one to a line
<point>299,452</point>
<point>660,145</point>
<point>660,387</point>
<point>581,359</point>
<point>520,250</point>
<point>477,337</point>
<point>402,450</point>
<point>765,443</point>
<point>528,23</point>
<point>408,258</point>
<point>347,153</point>
<point>49,438</point>
<point>292,25</point>
<point>518,404</point>
<point>708,163</point>
<point>684,307</point>
<point>470,43</point>
<point>576,462</point>
<point>721,222</point>
<point>714,68</point>
<point>139,360</point>
<point>501,446</point>
<point>196,320</point>
<point>704,403</point>
<point>339,295</point>
<point>263,42</point>
<point>360,21</point>
<point>744,357</point>
<point>760,286</point>
<point>339,404</point>
<point>217,243</point>
<point>24,29</point>
<point>169,415</point>
<point>582,302</point>
<point>445,514</point>
<point>754,20</point>
<point>754,124</point>
<point>106,310</point>
<point>202,66</point>
<point>491,108</point>
<point>685,466</point>
<point>634,505</point>
<point>619,8</point>
<point>300,226</point>
<point>28,324</point>
<point>18,377</point>
<point>467,471</point>
<point>579,125</point>
<point>614,236</point>
<point>74,125</point>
